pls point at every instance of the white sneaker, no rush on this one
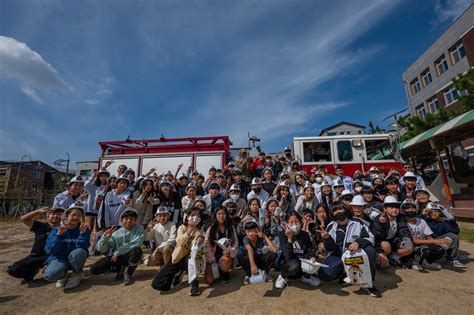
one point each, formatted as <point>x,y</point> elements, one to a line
<point>311,280</point>
<point>61,283</point>
<point>433,266</point>
<point>416,267</point>
<point>74,281</point>
<point>456,263</point>
<point>280,282</point>
<point>247,280</point>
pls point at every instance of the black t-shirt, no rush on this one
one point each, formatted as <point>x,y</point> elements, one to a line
<point>257,248</point>
<point>41,235</point>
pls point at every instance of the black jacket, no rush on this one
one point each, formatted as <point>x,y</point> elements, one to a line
<point>302,247</point>
<point>381,230</point>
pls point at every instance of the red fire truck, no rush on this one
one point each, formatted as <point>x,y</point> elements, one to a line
<point>353,152</point>
<point>167,153</point>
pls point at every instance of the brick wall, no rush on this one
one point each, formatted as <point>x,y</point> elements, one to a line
<point>468,42</point>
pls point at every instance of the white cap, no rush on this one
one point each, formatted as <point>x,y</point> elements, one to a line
<point>358,201</point>
<point>191,185</point>
<point>345,193</point>
<point>391,200</point>
<point>308,185</point>
<point>76,179</point>
<point>325,183</point>
<point>234,187</point>
<point>374,169</point>
<point>433,206</point>
<point>162,210</point>
<point>337,182</point>
<point>123,177</point>
<point>409,175</point>
<point>255,181</point>
<point>75,205</point>
<point>408,203</point>
<point>284,184</point>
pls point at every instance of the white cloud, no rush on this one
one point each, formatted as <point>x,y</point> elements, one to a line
<point>33,73</point>
<point>447,11</point>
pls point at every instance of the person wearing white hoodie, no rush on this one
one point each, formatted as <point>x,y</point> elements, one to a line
<point>163,232</point>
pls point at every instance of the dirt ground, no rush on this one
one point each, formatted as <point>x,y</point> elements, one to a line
<point>404,291</point>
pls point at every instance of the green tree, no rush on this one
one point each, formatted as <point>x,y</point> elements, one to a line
<point>375,129</point>
<point>466,83</point>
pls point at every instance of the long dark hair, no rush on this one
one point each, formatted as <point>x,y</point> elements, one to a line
<point>328,216</point>
<point>228,226</point>
<point>249,203</point>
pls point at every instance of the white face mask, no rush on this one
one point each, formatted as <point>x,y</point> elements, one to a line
<point>195,219</point>
<point>358,189</point>
<point>234,197</point>
<point>295,228</point>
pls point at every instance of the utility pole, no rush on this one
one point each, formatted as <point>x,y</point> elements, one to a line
<point>19,169</point>
<point>67,168</point>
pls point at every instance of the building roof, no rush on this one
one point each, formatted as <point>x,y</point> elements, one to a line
<point>29,163</point>
<point>340,124</point>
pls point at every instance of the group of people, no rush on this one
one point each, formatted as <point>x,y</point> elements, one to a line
<point>256,213</point>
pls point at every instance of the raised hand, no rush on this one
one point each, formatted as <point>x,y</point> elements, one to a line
<point>62,229</point>
<point>353,246</point>
<point>108,163</point>
<point>110,231</point>
<point>83,228</point>
<point>324,234</point>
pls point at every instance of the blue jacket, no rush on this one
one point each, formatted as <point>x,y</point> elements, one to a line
<point>58,247</point>
<point>441,227</point>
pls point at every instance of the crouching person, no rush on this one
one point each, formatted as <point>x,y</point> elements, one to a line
<point>261,252</point>
<point>295,243</point>
<point>27,268</point>
<point>222,227</point>
<point>66,247</point>
<point>122,246</point>
<point>189,233</point>
<point>345,234</point>
<point>163,232</point>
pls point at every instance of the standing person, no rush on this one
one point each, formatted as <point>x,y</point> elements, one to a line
<point>121,169</point>
<point>170,199</point>
<point>213,199</point>
<point>268,184</point>
<point>348,183</point>
<point>221,227</point>
<point>163,233</point>
<point>183,182</point>
<point>74,189</point>
<point>95,187</point>
<point>145,199</point>
<point>287,154</point>
<point>257,191</point>
<point>115,202</point>
<point>308,200</point>
<point>326,195</point>
<point>295,244</point>
<point>66,248</point>
<point>346,234</point>
<point>427,249</point>
<point>243,163</point>
<point>243,185</point>
<point>420,183</point>
<point>392,236</point>
<point>210,179</point>
<point>27,268</point>
<point>257,165</point>
<point>188,200</point>
<point>234,195</point>
<point>122,247</point>
<point>190,233</point>
<point>260,251</point>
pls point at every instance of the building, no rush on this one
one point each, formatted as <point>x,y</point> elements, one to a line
<point>86,168</point>
<point>343,128</point>
<point>429,80</point>
<point>33,183</point>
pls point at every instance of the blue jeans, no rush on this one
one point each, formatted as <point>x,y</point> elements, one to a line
<point>57,269</point>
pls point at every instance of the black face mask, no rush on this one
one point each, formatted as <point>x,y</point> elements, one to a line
<point>410,214</point>
<point>232,211</point>
<point>257,190</point>
<point>340,216</point>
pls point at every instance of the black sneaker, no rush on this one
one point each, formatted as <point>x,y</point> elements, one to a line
<point>226,277</point>
<point>195,288</point>
<point>128,279</point>
<point>178,279</point>
<point>373,292</point>
<point>343,283</point>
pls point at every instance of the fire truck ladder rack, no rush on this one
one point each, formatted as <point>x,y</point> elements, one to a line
<point>166,145</point>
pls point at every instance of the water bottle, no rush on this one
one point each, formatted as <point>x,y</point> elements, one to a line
<point>277,212</point>
<point>261,217</point>
<point>215,270</point>
<point>260,277</point>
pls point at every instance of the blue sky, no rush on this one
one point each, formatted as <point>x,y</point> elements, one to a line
<point>73,73</point>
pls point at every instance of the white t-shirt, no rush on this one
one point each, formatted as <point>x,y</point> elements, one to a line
<point>393,229</point>
<point>420,229</point>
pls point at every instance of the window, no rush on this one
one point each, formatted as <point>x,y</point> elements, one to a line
<point>450,95</point>
<point>426,77</point>
<point>344,150</point>
<point>341,133</point>
<point>441,65</point>
<point>415,86</point>
<point>421,111</point>
<point>3,172</point>
<point>360,132</point>
<point>433,104</point>
<point>85,172</point>
<point>36,174</point>
<point>332,133</point>
<point>317,151</point>
<point>379,149</point>
<point>457,52</point>
<point>34,186</point>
